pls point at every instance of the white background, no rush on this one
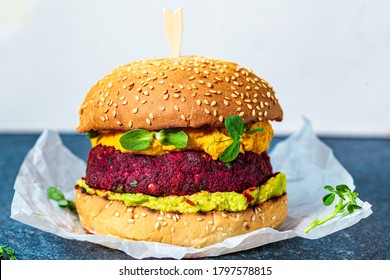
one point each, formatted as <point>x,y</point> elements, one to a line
<point>328,61</point>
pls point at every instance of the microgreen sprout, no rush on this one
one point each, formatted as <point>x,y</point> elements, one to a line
<point>92,134</point>
<point>140,139</point>
<point>236,128</point>
<point>6,250</point>
<point>55,194</point>
<point>346,205</point>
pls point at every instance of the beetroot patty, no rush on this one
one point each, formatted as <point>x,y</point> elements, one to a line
<point>179,173</point>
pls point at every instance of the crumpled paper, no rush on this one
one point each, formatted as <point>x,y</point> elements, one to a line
<point>307,162</point>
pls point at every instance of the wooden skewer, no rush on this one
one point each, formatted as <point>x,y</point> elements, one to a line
<point>173,26</point>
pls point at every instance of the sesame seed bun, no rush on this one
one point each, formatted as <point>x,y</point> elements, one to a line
<point>177,92</point>
<point>113,218</point>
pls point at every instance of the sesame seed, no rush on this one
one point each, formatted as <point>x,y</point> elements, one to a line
<point>176,95</point>
<point>241,114</point>
<point>253,112</point>
<point>146,93</point>
<point>160,218</point>
<point>201,82</point>
<point>238,102</point>
<point>164,224</point>
<point>137,98</point>
<point>136,216</point>
<point>213,103</point>
<point>191,78</point>
<point>185,223</point>
<point>166,96</point>
<point>225,102</point>
<point>209,85</point>
<point>249,106</point>
<point>215,113</point>
<point>131,221</point>
<point>143,101</point>
<point>220,119</point>
<point>224,215</point>
<point>183,117</point>
<point>273,218</point>
<point>119,123</point>
<point>253,218</point>
<point>162,108</point>
<point>124,102</point>
<point>151,115</point>
<point>199,219</point>
<point>206,102</point>
<point>268,94</point>
<point>172,229</point>
<point>130,124</point>
<point>207,111</point>
<point>148,121</point>
<point>157,225</point>
<point>199,102</point>
<point>109,85</point>
<point>143,214</point>
<point>265,114</point>
<point>135,110</point>
<point>117,214</point>
<point>161,82</point>
<point>245,224</point>
<point>176,108</point>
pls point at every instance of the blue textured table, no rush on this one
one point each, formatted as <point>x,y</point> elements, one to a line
<point>368,161</point>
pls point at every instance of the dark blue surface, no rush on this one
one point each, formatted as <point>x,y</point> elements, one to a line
<point>368,161</point>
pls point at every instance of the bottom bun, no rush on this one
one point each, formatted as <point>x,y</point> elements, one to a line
<point>103,217</point>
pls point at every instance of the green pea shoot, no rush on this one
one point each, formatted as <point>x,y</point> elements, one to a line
<point>236,128</point>
<point>346,205</point>
<point>55,194</point>
<point>140,139</point>
<point>6,250</point>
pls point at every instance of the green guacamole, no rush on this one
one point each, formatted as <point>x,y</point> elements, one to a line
<point>202,201</point>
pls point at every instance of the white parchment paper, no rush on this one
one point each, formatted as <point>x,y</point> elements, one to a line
<point>307,162</point>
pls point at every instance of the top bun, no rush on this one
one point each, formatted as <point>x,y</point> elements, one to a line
<point>186,91</point>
